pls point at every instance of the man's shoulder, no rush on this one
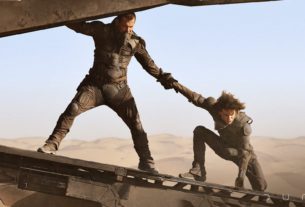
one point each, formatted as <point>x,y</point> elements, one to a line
<point>243,118</point>
<point>135,36</point>
<point>209,105</point>
<point>137,39</point>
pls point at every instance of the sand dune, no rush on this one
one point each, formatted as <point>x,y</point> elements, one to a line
<point>282,159</point>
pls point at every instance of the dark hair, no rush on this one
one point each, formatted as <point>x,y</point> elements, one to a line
<point>128,16</point>
<point>228,101</point>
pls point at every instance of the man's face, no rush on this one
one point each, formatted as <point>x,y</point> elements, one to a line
<point>126,26</point>
<point>228,115</point>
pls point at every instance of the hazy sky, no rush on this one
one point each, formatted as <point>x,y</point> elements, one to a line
<point>256,51</point>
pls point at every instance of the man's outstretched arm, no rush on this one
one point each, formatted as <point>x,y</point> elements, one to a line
<point>196,98</point>
<point>149,65</point>
<point>168,81</point>
<point>86,28</point>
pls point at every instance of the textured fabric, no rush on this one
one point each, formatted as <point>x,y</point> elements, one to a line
<point>122,102</point>
<point>232,143</point>
<point>106,83</point>
<point>203,136</point>
<point>113,52</point>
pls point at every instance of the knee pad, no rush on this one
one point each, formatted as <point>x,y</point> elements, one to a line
<point>73,109</point>
<point>200,131</point>
<point>244,153</point>
<point>230,153</point>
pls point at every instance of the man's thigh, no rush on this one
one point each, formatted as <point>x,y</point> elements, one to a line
<point>86,98</point>
<point>126,108</point>
<point>213,140</point>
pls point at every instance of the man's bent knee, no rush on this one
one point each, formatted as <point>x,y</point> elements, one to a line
<point>73,109</point>
<point>200,131</point>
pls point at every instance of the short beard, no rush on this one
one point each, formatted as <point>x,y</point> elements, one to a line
<point>123,38</point>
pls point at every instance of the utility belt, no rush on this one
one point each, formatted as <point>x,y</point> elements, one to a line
<point>106,79</point>
<point>104,74</point>
<point>119,83</point>
<point>102,81</point>
<point>97,79</point>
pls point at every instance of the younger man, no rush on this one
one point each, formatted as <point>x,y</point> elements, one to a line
<point>232,143</point>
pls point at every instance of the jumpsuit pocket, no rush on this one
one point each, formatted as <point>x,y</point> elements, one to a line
<point>85,97</point>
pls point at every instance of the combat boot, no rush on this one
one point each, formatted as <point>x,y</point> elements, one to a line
<point>194,173</point>
<point>48,148</point>
<point>148,166</point>
<point>141,146</point>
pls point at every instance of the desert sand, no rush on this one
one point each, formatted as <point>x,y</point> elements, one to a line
<point>282,159</point>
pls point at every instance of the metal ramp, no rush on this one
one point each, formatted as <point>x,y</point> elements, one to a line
<point>115,186</point>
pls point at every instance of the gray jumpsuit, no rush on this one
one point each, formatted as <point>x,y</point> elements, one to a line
<point>232,143</point>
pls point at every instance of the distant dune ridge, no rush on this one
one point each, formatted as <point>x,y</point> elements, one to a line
<point>282,159</point>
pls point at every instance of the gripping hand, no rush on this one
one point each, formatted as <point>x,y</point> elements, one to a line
<point>167,80</point>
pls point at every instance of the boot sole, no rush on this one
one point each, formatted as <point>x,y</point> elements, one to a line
<point>151,170</point>
<point>46,152</point>
<point>192,177</point>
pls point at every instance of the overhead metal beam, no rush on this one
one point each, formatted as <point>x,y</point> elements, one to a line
<point>213,2</point>
<point>20,16</point>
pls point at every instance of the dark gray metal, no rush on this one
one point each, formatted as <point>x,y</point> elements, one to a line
<point>36,180</point>
<point>212,2</point>
<point>94,184</point>
<point>29,15</point>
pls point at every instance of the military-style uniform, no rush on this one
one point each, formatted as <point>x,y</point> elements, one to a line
<point>232,143</point>
<point>106,83</point>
